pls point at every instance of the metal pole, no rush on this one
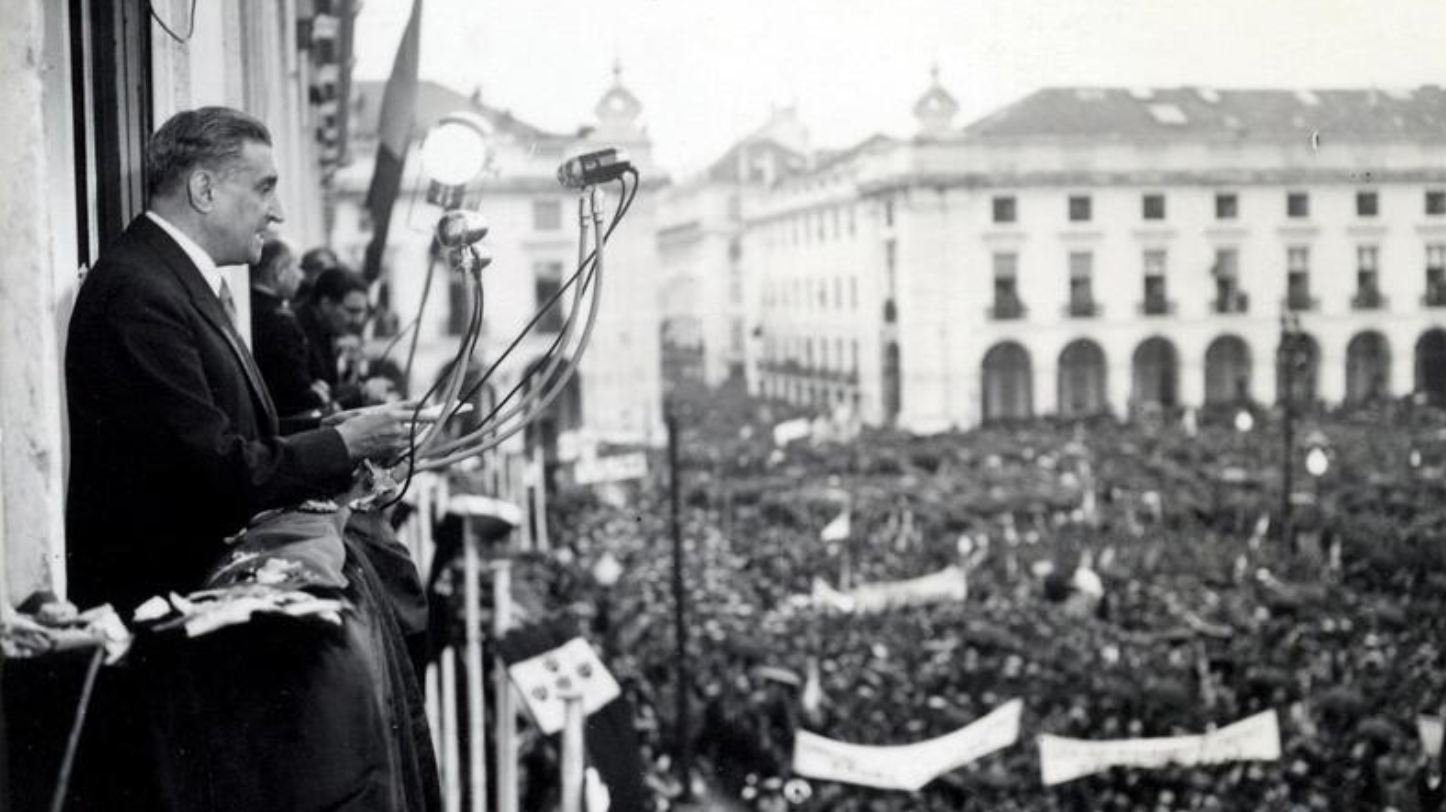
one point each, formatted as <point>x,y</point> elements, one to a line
<point>451,782</point>
<point>680,628</point>
<point>506,713</point>
<point>1287,355</point>
<point>572,750</point>
<point>476,697</point>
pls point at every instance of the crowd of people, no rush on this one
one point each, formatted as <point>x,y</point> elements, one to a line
<point>1207,615</point>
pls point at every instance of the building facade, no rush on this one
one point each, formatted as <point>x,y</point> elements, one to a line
<point>1091,250</point>
<point>707,324</point>
<point>532,242</point>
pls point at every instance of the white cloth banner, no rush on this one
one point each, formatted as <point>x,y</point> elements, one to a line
<point>948,584</point>
<point>790,430</point>
<point>1254,738</point>
<point>1430,729</point>
<point>909,766</point>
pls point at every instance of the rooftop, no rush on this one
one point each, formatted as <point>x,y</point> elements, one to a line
<point>1124,114</point>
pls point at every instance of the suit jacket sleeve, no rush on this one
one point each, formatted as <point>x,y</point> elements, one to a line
<point>280,348</point>
<point>238,472</point>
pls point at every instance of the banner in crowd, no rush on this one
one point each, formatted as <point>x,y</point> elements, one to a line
<point>910,766</point>
<point>1254,738</point>
<point>1429,728</point>
<point>948,584</point>
<point>790,430</point>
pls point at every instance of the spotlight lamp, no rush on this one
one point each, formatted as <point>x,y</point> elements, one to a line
<point>457,150</point>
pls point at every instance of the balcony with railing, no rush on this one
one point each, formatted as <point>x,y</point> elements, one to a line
<point>1435,293</point>
<point>1369,298</point>
<point>1007,309</point>
<point>1231,302</point>
<point>1157,304</point>
<point>1082,307</point>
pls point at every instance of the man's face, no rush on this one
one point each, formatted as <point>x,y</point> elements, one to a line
<point>347,315</point>
<point>244,205</point>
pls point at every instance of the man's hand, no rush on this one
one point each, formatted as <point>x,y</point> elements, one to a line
<point>378,390</point>
<point>379,432</point>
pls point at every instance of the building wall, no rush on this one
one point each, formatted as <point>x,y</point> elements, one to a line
<point>939,196</point>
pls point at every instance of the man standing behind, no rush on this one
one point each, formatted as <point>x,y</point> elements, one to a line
<point>277,341</point>
<point>333,318</point>
<point>174,442</point>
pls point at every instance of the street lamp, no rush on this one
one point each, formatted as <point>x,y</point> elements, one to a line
<point>456,151</point>
<point>1292,357</point>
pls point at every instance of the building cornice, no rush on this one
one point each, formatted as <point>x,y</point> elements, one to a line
<point>1298,176</point>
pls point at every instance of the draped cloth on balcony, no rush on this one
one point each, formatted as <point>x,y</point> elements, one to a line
<point>274,714</point>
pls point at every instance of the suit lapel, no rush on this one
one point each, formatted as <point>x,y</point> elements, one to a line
<point>210,309</point>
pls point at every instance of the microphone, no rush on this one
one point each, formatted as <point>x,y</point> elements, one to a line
<point>593,168</point>
<point>460,228</point>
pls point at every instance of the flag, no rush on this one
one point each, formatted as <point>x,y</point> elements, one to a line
<point>811,699</point>
<point>394,134</point>
<point>838,529</point>
<point>538,658</point>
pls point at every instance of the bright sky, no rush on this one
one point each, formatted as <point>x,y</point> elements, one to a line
<point>707,71</point>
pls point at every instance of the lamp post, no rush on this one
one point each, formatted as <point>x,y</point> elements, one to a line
<point>1292,356</point>
<point>680,627</point>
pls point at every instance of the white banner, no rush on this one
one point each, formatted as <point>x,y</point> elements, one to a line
<point>910,766</point>
<point>948,584</point>
<point>790,430</point>
<point>617,468</point>
<point>1429,727</point>
<point>1255,738</point>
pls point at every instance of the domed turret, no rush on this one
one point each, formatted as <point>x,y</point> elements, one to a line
<point>618,111</point>
<point>936,109</point>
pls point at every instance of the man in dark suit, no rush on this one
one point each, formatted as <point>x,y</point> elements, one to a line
<point>174,442</point>
<point>277,340</point>
<point>174,447</point>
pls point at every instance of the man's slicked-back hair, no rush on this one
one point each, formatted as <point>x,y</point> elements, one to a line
<point>335,284</point>
<point>207,137</point>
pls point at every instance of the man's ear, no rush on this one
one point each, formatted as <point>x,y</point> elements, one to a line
<point>201,190</point>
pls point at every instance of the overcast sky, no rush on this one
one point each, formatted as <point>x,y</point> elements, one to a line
<point>707,71</point>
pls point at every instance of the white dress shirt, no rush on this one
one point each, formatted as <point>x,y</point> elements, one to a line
<point>198,255</point>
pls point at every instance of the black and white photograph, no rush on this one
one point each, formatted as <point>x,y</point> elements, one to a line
<point>792,406</point>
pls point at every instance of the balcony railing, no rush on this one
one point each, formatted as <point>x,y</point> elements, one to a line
<point>1082,308</point>
<point>1233,302</point>
<point>1157,306</point>
<point>1006,309</point>
<point>1435,295</point>
<point>1368,299</point>
<point>1300,302</point>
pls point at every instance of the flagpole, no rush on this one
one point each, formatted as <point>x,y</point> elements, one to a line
<point>684,746</point>
<point>506,713</point>
<point>476,698</point>
<point>572,752</point>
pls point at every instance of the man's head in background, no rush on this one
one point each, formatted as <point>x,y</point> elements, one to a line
<point>340,297</point>
<point>277,269</point>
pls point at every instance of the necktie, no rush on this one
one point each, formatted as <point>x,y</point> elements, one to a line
<point>227,302</point>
